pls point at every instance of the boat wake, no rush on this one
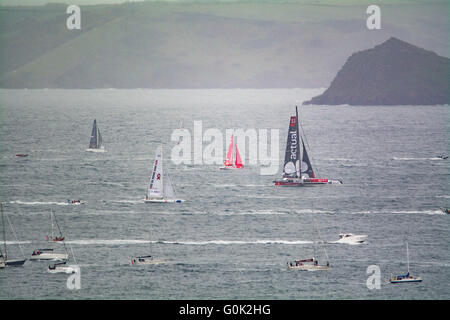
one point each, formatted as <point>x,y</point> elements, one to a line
<point>429,212</point>
<point>417,159</point>
<point>185,242</point>
<point>33,203</point>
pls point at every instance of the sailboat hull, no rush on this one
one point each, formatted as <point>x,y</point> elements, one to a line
<point>418,279</point>
<point>147,262</point>
<point>304,182</point>
<point>100,150</point>
<point>15,263</point>
<point>163,200</point>
<point>230,168</point>
<point>50,256</point>
<point>309,268</point>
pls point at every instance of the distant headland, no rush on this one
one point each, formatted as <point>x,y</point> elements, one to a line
<point>392,73</point>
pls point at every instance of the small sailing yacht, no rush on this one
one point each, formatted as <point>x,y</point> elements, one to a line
<point>53,222</point>
<point>148,259</point>
<point>96,142</point>
<point>2,261</point>
<point>298,173</point>
<point>311,264</point>
<point>160,188</point>
<point>228,164</point>
<point>405,277</point>
<point>4,255</point>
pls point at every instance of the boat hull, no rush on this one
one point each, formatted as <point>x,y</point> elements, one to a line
<point>96,150</point>
<point>418,279</point>
<point>15,263</point>
<point>309,268</point>
<point>353,239</point>
<point>64,269</point>
<point>50,256</point>
<point>135,261</point>
<point>304,182</point>
<point>163,200</point>
<point>230,168</point>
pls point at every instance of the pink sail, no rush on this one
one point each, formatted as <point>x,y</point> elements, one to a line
<point>229,159</point>
<point>238,159</point>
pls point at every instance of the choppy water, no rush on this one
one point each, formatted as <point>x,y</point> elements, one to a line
<point>232,238</point>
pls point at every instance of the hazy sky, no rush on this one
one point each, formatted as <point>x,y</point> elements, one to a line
<point>91,2</point>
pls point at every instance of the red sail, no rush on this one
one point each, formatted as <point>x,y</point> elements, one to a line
<point>229,159</point>
<point>238,159</point>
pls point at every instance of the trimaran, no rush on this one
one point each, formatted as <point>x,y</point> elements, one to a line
<point>296,172</point>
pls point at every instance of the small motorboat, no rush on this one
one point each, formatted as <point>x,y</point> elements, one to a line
<point>60,267</point>
<point>350,238</point>
<point>21,155</point>
<point>146,260</point>
<point>75,202</point>
<point>308,265</point>
<point>442,156</point>
<point>445,210</point>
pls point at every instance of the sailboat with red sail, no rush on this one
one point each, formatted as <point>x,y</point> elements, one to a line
<point>228,164</point>
<point>298,171</point>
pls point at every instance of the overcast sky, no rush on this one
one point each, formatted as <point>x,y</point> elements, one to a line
<point>91,2</point>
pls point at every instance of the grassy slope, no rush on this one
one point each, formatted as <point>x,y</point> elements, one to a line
<point>200,45</point>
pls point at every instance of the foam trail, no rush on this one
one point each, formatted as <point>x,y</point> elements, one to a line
<point>185,242</point>
<point>33,203</point>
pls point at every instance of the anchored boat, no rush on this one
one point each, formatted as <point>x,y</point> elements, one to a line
<point>160,189</point>
<point>311,264</point>
<point>228,164</point>
<point>53,222</point>
<point>47,254</point>
<point>4,255</point>
<point>298,173</point>
<point>62,267</point>
<point>96,142</point>
<point>405,277</point>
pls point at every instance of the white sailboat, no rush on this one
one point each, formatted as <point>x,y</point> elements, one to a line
<point>4,255</point>
<point>148,259</point>
<point>96,142</point>
<point>48,253</point>
<point>54,238</point>
<point>405,277</point>
<point>2,261</point>
<point>311,264</point>
<point>160,189</point>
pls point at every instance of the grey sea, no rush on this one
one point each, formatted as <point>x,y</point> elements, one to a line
<point>236,231</point>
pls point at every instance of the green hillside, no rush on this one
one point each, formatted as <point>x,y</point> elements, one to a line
<point>201,45</point>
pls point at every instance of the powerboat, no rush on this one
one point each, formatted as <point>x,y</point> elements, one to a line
<point>351,238</point>
<point>307,265</point>
<point>146,260</point>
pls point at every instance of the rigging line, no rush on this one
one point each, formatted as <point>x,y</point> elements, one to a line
<point>15,236</point>
<point>307,144</point>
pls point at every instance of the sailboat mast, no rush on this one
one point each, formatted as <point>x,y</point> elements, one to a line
<point>51,219</point>
<point>4,233</point>
<point>299,169</point>
<point>407,255</point>
<point>162,174</point>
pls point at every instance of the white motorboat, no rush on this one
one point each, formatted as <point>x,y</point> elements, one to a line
<point>350,238</point>
<point>308,265</point>
<point>60,267</point>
